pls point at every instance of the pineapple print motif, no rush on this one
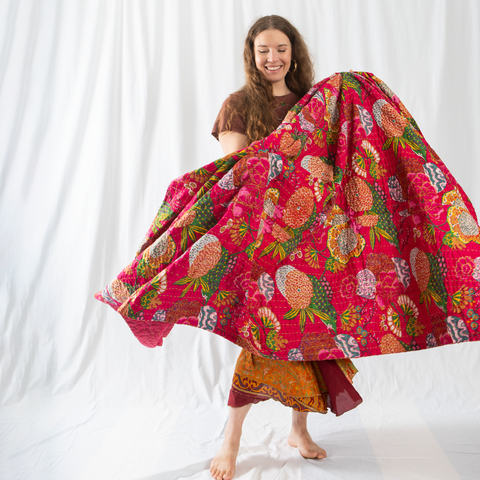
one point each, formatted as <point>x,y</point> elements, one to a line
<point>160,252</point>
<point>208,261</point>
<point>204,255</point>
<point>118,291</point>
<point>359,195</point>
<point>298,215</point>
<point>362,197</point>
<point>292,143</point>
<point>295,286</point>
<point>299,208</point>
<point>390,344</point>
<point>306,296</point>
<point>318,168</point>
<point>428,273</point>
<point>397,128</point>
<point>388,119</point>
<point>420,268</point>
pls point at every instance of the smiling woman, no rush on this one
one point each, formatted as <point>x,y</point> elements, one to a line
<point>278,72</point>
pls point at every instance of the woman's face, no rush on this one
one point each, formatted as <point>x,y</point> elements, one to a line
<point>273,55</point>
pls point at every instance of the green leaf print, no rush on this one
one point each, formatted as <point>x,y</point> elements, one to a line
<point>291,314</point>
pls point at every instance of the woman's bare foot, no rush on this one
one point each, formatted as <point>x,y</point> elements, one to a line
<point>223,464</point>
<point>308,448</point>
<point>300,438</point>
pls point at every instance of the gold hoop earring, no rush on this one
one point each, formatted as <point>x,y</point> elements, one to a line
<point>294,68</point>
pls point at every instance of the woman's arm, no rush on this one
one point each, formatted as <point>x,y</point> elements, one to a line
<point>232,142</point>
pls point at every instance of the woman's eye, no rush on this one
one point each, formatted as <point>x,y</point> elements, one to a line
<point>263,51</point>
<point>282,51</point>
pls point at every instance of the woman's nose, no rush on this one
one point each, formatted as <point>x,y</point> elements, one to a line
<point>272,56</point>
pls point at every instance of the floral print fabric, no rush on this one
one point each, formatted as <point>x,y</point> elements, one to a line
<point>342,234</point>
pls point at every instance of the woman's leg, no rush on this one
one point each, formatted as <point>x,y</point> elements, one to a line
<point>299,437</point>
<point>223,464</point>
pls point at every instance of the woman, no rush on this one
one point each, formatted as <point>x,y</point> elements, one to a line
<point>278,71</point>
<point>346,194</point>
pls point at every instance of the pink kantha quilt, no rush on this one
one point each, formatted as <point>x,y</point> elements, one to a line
<point>341,234</point>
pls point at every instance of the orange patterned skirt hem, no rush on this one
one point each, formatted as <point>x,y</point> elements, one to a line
<point>303,386</point>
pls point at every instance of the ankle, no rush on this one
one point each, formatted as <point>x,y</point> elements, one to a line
<point>299,430</point>
<point>232,439</point>
<point>299,421</point>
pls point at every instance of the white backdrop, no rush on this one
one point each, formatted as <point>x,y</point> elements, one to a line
<point>102,104</point>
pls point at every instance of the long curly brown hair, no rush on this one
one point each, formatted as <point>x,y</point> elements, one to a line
<point>256,99</point>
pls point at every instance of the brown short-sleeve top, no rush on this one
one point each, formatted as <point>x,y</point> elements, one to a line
<point>284,104</point>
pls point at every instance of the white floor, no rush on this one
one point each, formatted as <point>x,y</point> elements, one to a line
<point>71,437</point>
